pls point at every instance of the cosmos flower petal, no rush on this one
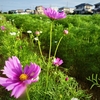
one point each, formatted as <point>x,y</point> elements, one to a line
<point>29,81</point>
<point>9,73</point>
<point>52,14</point>
<point>14,69</point>
<point>3,81</point>
<point>60,62</point>
<point>35,80</point>
<point>8,83</point>
<point>34,70</point>
<point>11,86</point>
<point>26,69</point>
<point>37,72</point>
<point>15,61</point>
<point>18,90</point>
<point>29,69</point>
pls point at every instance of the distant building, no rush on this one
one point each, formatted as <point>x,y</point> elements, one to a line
<point>29,11</point>
<point>0,11</point>
<point>12,11</point>
<point>20,10</point>
<point>39,10</point>
<point>67,10</point>
<point>83,8</point>
<point>96,8</point>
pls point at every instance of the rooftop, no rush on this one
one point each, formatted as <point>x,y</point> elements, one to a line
<point>84,4</point>
<point>97,3</point>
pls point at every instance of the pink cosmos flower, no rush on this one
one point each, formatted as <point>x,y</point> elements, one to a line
<point>18,79</point>
<point>65,31</point>
<point>53,14</point>
<point>3,28</point>
<point>57,61</point>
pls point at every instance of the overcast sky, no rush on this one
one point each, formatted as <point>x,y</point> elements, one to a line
<point>6,5</point>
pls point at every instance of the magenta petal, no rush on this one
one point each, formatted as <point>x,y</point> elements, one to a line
<point>3,81</point>
<point>9,73</point>
<point>12,68</point>
<point>28,81</point>
<point>37,72</point>
<point>34,70</point>
<point>32,80</point>
<point>60,62</point>
<point>11,86</point>
<point>16,63</point>
<point>53,14</point>
<point>30,70</point>
<point>8,83</point>
<point>18,90</point>
<point>26,69</point>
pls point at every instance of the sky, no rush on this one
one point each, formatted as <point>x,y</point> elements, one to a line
<point>6,5</point>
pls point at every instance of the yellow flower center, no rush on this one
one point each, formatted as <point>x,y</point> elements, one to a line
<point>23,77</point>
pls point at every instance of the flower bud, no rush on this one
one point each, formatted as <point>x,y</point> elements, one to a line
<point>66,79</point>
<point>65,31</point>
<point>37,33</point>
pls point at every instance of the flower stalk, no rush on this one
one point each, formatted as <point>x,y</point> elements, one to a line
<point>50,42</point>
<point>41,52</point>
<point>50,47</point>
<point>27,93</point>
<point>57,46</point>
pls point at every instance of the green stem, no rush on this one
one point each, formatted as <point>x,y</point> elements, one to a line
<point>28,98</point>
<point>41,52</point>
<point>21,33</point>
<point>50,42</point>
<point>57,46</point>
<point>48,65</point>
